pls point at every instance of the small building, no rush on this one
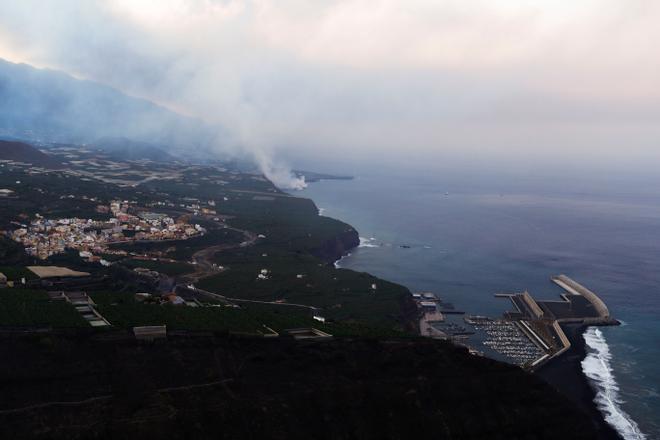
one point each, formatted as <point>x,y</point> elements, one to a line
<point>308,333</point>
<point>175,299</point>
<point>143,296</point>
<point>150,332</point>
<point>428,305</point>
<point>77,298</point>
<point>56,272</point>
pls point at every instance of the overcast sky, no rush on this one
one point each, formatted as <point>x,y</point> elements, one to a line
<point>416,80</point>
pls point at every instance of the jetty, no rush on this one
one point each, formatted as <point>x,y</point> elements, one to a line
<point>540,321</point>
<point>579,305</point>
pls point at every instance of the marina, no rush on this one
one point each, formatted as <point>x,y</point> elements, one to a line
<point>506,338</point>
<point>432,320</point>
<point>529,335</point>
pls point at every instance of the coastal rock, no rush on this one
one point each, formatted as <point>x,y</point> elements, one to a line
<point>338,246</point>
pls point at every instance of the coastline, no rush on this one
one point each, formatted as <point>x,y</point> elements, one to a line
<point>565,374</point>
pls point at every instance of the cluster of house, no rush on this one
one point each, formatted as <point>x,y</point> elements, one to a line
<point>44,237</point>
<point>426,301</point>
<point>195,206</point>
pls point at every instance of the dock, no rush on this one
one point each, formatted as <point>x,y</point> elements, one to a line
<point>540,320</point>
<point>576,289</point>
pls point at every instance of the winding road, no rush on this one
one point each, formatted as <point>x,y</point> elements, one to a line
<point>203,259</point>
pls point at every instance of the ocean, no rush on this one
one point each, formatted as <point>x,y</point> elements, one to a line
<point>467,239</point>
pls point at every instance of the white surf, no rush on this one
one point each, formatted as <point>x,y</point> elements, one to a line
<point>598,368</point>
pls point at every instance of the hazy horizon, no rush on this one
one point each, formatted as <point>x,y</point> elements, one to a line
<point>422,85</point>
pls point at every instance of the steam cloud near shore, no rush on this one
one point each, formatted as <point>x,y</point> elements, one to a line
<point>498,80</point>
<point>278,173</point>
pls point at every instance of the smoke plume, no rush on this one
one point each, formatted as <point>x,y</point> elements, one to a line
<point>278,173</point>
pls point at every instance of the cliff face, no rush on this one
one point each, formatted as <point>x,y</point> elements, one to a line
<point>335,248</point>
<point>220,387</point>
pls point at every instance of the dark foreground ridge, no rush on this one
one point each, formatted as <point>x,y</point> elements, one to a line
<point>74,387</point>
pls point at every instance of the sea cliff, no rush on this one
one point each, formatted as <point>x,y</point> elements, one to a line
<point>333,249</point>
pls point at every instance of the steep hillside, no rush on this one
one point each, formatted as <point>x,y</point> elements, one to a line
<point>21,152</point>
<point>40,104</point>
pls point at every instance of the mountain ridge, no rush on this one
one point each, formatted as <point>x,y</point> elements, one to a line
<point>22,152</point>
<point>47,105</point>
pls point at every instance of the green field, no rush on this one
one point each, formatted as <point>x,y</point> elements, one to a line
<point>122,311</point>
<point>171,269</point>
<point>341,294</point>
<point>22,307</point>
<point>15,273</point>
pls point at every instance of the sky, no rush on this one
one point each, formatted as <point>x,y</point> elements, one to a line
<point>415,82</point>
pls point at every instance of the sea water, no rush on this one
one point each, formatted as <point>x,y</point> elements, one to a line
<point>467,240</point>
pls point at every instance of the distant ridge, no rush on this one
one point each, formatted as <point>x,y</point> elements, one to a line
<point>21,152</point>
<point>127,149</point>
<point>52,107</point>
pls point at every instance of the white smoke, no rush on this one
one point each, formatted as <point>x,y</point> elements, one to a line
<point>278,173</point>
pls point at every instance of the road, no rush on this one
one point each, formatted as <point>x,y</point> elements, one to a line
<point>203,259</point>
<point>204,267</point>
<point>232,301</point>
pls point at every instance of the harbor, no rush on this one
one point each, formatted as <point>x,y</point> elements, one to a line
<point>528,335</point>
<point>432,320</point>
<point>507,338</point>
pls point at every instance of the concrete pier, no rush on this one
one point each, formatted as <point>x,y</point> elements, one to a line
<point>540,321</point>
<point>575,288</point>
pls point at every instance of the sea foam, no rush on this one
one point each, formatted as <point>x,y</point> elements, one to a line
<point>597,367</point>
<point>368,243</point>
<point>337,266</point>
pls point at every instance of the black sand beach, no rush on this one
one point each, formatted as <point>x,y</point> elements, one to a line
<point>565,374</point>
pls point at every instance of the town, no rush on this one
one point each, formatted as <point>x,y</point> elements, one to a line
<point>43,237</point>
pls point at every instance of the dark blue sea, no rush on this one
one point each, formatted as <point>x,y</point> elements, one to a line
<point>467,239</point>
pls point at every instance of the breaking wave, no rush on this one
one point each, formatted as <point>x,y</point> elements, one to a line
<point>368,243</point>
<point>337,266</point>
<point>597,367</point>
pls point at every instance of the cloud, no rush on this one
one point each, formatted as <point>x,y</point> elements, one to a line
<point>358,78</point>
